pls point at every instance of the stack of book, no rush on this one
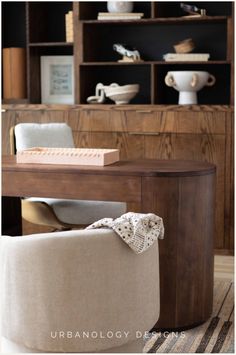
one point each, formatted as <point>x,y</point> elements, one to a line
<point>69,27</point>
<point>120,15</point>
<point>186,57</point>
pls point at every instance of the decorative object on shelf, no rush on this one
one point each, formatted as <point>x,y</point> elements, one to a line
<point>193,10</point>
<point>185,46</point>
<point>120,15</point>
<point>74,156</point>
<point>120,6</point>
<point>99,97</point>
<point>186,57</point>
<point>14,73</point>
<point>57,79</point>
<point>121,95</point>
<point>129,54</point>
<point>188,83</point>
<point>69,27</point>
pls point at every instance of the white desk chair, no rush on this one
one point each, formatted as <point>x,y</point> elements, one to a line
<point>57,213</point>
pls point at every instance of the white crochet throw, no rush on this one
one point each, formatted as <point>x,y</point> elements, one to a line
<point>138,230</point>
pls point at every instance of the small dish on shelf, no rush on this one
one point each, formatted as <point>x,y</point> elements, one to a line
<point>122,95</point>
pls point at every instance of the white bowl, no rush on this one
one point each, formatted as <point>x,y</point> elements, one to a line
<point>188,83</point>
<point>115,88</point>
<point>122,98</point>
<point>122,94</point>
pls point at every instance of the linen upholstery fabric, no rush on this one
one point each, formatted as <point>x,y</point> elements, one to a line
<point>86,280</point>
<point>76,212</point>
<point>55,135</point>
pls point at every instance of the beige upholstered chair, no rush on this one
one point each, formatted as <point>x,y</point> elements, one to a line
<point>57,213</point>
<point>77,291</point>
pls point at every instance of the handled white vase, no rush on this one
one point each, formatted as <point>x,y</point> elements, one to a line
<point>188,83</point>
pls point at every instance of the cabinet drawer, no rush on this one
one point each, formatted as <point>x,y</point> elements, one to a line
<point>98,120</point>
<point>130,146</point>
<point>112,120</point>
<point>41,116</point>
<point>176,122</point>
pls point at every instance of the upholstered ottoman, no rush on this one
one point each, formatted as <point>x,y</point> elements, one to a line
<point>77,291</point>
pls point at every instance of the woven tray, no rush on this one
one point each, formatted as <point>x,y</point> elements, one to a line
<point>75,156</point>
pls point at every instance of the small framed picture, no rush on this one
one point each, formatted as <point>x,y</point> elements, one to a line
<point>57,79</point>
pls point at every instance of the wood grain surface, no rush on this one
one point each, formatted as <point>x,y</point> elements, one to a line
<point>186,205</point>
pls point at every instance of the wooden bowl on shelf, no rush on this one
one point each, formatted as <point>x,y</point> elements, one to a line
<point>185,46</point>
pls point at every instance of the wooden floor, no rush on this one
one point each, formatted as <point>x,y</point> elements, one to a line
<point>224,267</point>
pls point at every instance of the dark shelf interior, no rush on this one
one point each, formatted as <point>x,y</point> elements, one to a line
<point>151,40</point>
<point>90,10</point>
<point>51,50</point>
<point>47,21</point>
<point>217,94</point>
<point>122,75</point>
<point>173,9</point>
<point>13,24</point>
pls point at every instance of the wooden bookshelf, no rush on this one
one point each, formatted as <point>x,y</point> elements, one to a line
<point>154,35</point>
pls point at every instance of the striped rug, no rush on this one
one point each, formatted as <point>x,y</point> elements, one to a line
<point>214,336</point>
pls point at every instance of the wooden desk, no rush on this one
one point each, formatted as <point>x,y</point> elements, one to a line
<point>181,192</point>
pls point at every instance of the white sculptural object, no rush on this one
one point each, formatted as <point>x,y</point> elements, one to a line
<point>120,6</point>
<point>188,83</point>
<point>120,94</point>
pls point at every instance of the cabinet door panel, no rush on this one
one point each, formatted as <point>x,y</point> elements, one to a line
<point>194,147</point>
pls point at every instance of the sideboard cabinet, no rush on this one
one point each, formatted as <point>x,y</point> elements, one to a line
<point>201,133</point>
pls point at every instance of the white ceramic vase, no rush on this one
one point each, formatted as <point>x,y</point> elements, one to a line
<point>120,6</point>
<point>188,83</point>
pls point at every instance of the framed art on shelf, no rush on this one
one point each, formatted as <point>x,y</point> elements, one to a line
<point>57,79</point>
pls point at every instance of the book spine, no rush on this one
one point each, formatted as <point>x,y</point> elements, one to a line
<point>69,26</point>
